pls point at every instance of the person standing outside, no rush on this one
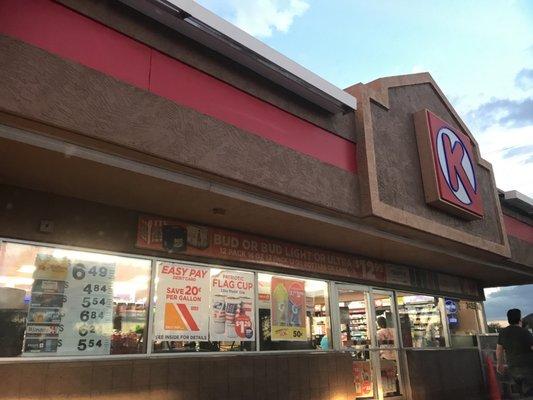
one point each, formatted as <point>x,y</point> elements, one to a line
<point>517,344</point>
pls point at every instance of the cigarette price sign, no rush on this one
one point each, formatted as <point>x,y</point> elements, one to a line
<point>88,321</point>
<point>71,307</point>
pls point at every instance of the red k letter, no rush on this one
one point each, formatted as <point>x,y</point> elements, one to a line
<point>454,157</point>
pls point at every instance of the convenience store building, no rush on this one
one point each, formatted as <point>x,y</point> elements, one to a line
<point>185,213</point>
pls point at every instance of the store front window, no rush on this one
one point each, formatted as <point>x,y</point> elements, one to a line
<point>464,321</point>
<point>293,313</point>
<point>420,321</point>
<point>197,308</point>
<point>61,302</point>
<point>56,302</point>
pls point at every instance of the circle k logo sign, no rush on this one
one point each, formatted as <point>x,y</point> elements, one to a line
<point>448,167</point>
<point>456,165</point>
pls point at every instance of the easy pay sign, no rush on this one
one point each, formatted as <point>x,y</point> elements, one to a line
<point>182,307</point>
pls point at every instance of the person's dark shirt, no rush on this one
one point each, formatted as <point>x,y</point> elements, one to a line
<point>517,342</point>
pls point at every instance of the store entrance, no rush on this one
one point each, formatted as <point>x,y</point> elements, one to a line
<point>368,330</point>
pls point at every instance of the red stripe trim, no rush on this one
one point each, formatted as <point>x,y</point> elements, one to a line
<point>518,229</point>
<point>61,31</point>
<point>188,317</point>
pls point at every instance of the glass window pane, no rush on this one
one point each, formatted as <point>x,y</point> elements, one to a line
<point>64,302</point>
<point>203,309</point>
<point>420,321</point>
<point>363,375</point>
<point>293,313</point>
<point>390,381</point>
<point>355,330</point>
<point>385,325</point>
<point>463,321</point>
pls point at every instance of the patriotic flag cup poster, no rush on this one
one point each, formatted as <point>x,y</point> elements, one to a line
<point>182,306</point>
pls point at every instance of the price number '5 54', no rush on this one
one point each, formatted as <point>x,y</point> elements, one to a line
<point>83,344</point>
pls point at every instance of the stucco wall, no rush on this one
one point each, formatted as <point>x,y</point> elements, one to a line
<point>521,251</point>
<point>40,86</point>
<point>131,23</point>
<point>398,164</point>
<point>283,376</point>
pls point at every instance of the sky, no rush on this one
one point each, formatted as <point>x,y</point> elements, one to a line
<point>479,52</point>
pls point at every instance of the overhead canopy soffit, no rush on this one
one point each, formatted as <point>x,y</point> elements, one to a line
<point>95,176</point>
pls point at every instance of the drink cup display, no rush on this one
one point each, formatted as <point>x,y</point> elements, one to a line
<point>219,314</point>
<point>231,330</point>
<point>246,306</point>
<point>232,308</point>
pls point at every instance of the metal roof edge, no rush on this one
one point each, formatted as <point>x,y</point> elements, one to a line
<point>191,19</point>
<point>519,200</point>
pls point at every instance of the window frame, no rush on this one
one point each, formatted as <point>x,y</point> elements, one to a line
<point>153,292</point>
<point>331,283</point>
<point>4,360</point>
<point>149,353</point>
<point>442,313</point>
<point>328,311</point>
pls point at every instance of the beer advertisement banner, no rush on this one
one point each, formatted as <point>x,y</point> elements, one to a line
<point>232,306</point>
<point>182,307</point>
<point>287,309</point>
<point>174,236</point>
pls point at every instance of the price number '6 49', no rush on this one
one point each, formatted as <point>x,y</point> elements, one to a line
<point>80,271</point>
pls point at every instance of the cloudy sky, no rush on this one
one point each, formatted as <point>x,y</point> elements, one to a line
<point>479,52</point>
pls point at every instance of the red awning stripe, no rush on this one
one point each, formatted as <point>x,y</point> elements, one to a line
<point>518,229</point>
<point>70,35</point>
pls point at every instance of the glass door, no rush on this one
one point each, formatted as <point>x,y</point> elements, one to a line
<point>387,346</point>
<point>367,321</point>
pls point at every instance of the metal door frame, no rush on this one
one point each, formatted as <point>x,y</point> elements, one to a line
<point>368,293</point>
<point>397,341</point>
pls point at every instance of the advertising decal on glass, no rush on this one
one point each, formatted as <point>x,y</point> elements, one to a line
<point>232,306</point>
<point>71,307</point>
<point>288,309</point>
<point>182,307</point>
<point>362,379</point>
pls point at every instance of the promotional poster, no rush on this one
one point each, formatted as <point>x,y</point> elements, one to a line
<point>232,307</point>
<point>182,307</point>
<point>288,309</point>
